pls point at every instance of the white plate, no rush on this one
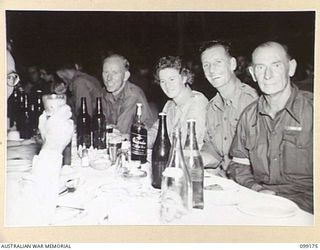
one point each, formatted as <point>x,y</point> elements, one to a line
<point>18,165</point>
<point>270,206</point>
<point>220,191</point>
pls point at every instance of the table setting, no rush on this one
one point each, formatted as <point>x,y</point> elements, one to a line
<point>113,190</point>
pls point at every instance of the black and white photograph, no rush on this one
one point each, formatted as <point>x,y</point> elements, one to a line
<point>159,118</point>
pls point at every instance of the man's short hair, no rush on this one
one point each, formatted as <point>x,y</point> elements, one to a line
<point>66,65</point>
<point>174,62</point>
<point>272,43</point>
<point>214,43</point>
<point>126,63</point>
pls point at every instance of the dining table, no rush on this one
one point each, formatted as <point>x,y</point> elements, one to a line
<point>107,196</point>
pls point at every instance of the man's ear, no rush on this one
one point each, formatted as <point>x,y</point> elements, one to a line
<point>184,79</point>
<point>126,75</point>
<point>252,73</point>
<point>233,63</point>
<point>292,67</point>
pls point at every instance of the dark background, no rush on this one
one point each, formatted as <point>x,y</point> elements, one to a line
<point>87,37</point>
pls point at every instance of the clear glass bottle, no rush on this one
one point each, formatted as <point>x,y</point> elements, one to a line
<point>195,164</point>
<point>176,186</point>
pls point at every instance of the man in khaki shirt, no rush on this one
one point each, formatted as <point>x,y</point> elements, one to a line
<point>225,107</point>
<point>121,96</point>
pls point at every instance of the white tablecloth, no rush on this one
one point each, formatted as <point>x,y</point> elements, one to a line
<point>104,197</point>
<point>110,199</point>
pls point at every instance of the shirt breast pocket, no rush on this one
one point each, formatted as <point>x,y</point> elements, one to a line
<point>297,152</point>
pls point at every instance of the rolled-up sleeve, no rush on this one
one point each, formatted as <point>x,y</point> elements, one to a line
<point>239,172</point>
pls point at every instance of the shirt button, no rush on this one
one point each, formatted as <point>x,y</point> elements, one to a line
<point>275,158</point>
<point>224,118</point>
<point>299,146</point>
<point>273,132</point>
<point>225,138</point>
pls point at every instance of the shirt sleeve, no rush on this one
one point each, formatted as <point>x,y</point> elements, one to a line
<point>32,199</point>
<point>127,115</point>
<point>152,134</point>
<point>239,172</point>
<point>208,148</point>
<point>81,89</point>
<point>198,112</point>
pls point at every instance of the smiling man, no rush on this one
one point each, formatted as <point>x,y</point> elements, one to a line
<point>121,96</point>
<point>273,147</point>
<point>224,109</point>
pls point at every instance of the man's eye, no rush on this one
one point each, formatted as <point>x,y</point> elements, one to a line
<point>206,65</point>
<point>171,79</point>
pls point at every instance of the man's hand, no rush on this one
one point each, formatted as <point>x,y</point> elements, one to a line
<point>56,131</point>
<point>267,191</point>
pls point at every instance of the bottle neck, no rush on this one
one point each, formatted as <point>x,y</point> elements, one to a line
<point>163,126</point>
<point>98,106</point>
<point>138,114</point>
<point>26,103</point>
<point>191,140</point>
<point>83,106</point>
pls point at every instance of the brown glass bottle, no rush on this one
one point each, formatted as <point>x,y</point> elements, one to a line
<point>99,126</point>
<point>160,151</point>
<point>83,125</point>
<point>26,120</point>
<point>138,138</point>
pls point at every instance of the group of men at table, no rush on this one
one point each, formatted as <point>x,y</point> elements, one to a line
<point>263,143</point>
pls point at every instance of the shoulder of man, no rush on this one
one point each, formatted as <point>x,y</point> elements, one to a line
<point>199,96</point>
<point>134,89</point>
<point>307,95</point>
<point>245,88</point>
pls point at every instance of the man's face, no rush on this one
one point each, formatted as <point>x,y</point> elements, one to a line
<point>45,76</point>
<point>113,74</point>
<point>171,82</point>
<point>34,74</point>
<point>65,75</point>
<point>272,69</point>
<point>217,66</point>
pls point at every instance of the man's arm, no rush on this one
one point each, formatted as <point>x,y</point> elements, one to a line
<point>240,168</point>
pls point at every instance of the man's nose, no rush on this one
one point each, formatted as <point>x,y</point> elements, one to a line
<point>268,73</point>
<point>109,77</point>
<point>211,69</point>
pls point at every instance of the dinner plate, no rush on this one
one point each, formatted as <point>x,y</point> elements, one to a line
<point>220,191</point>
<point>271,206</point>
<point>18,165</point>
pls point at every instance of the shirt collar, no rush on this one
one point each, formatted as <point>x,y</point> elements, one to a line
<point>220,102</point>
<point>290,106</point>
<point>186,95</point>
<point>118,97</point>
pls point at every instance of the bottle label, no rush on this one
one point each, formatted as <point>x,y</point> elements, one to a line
<point>138,144</point>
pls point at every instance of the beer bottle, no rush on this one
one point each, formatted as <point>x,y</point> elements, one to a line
<point>83,125</point>
<point>195,164</point>
<point>13,107</point>
<point>138,138</point>
<point>160,151</point>
<point>99,126</point>
<point>39,104</point>
<point>26,120</point>
<point>20,110</point>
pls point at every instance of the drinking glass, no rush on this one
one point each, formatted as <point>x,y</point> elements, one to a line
<point>51,103</point>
